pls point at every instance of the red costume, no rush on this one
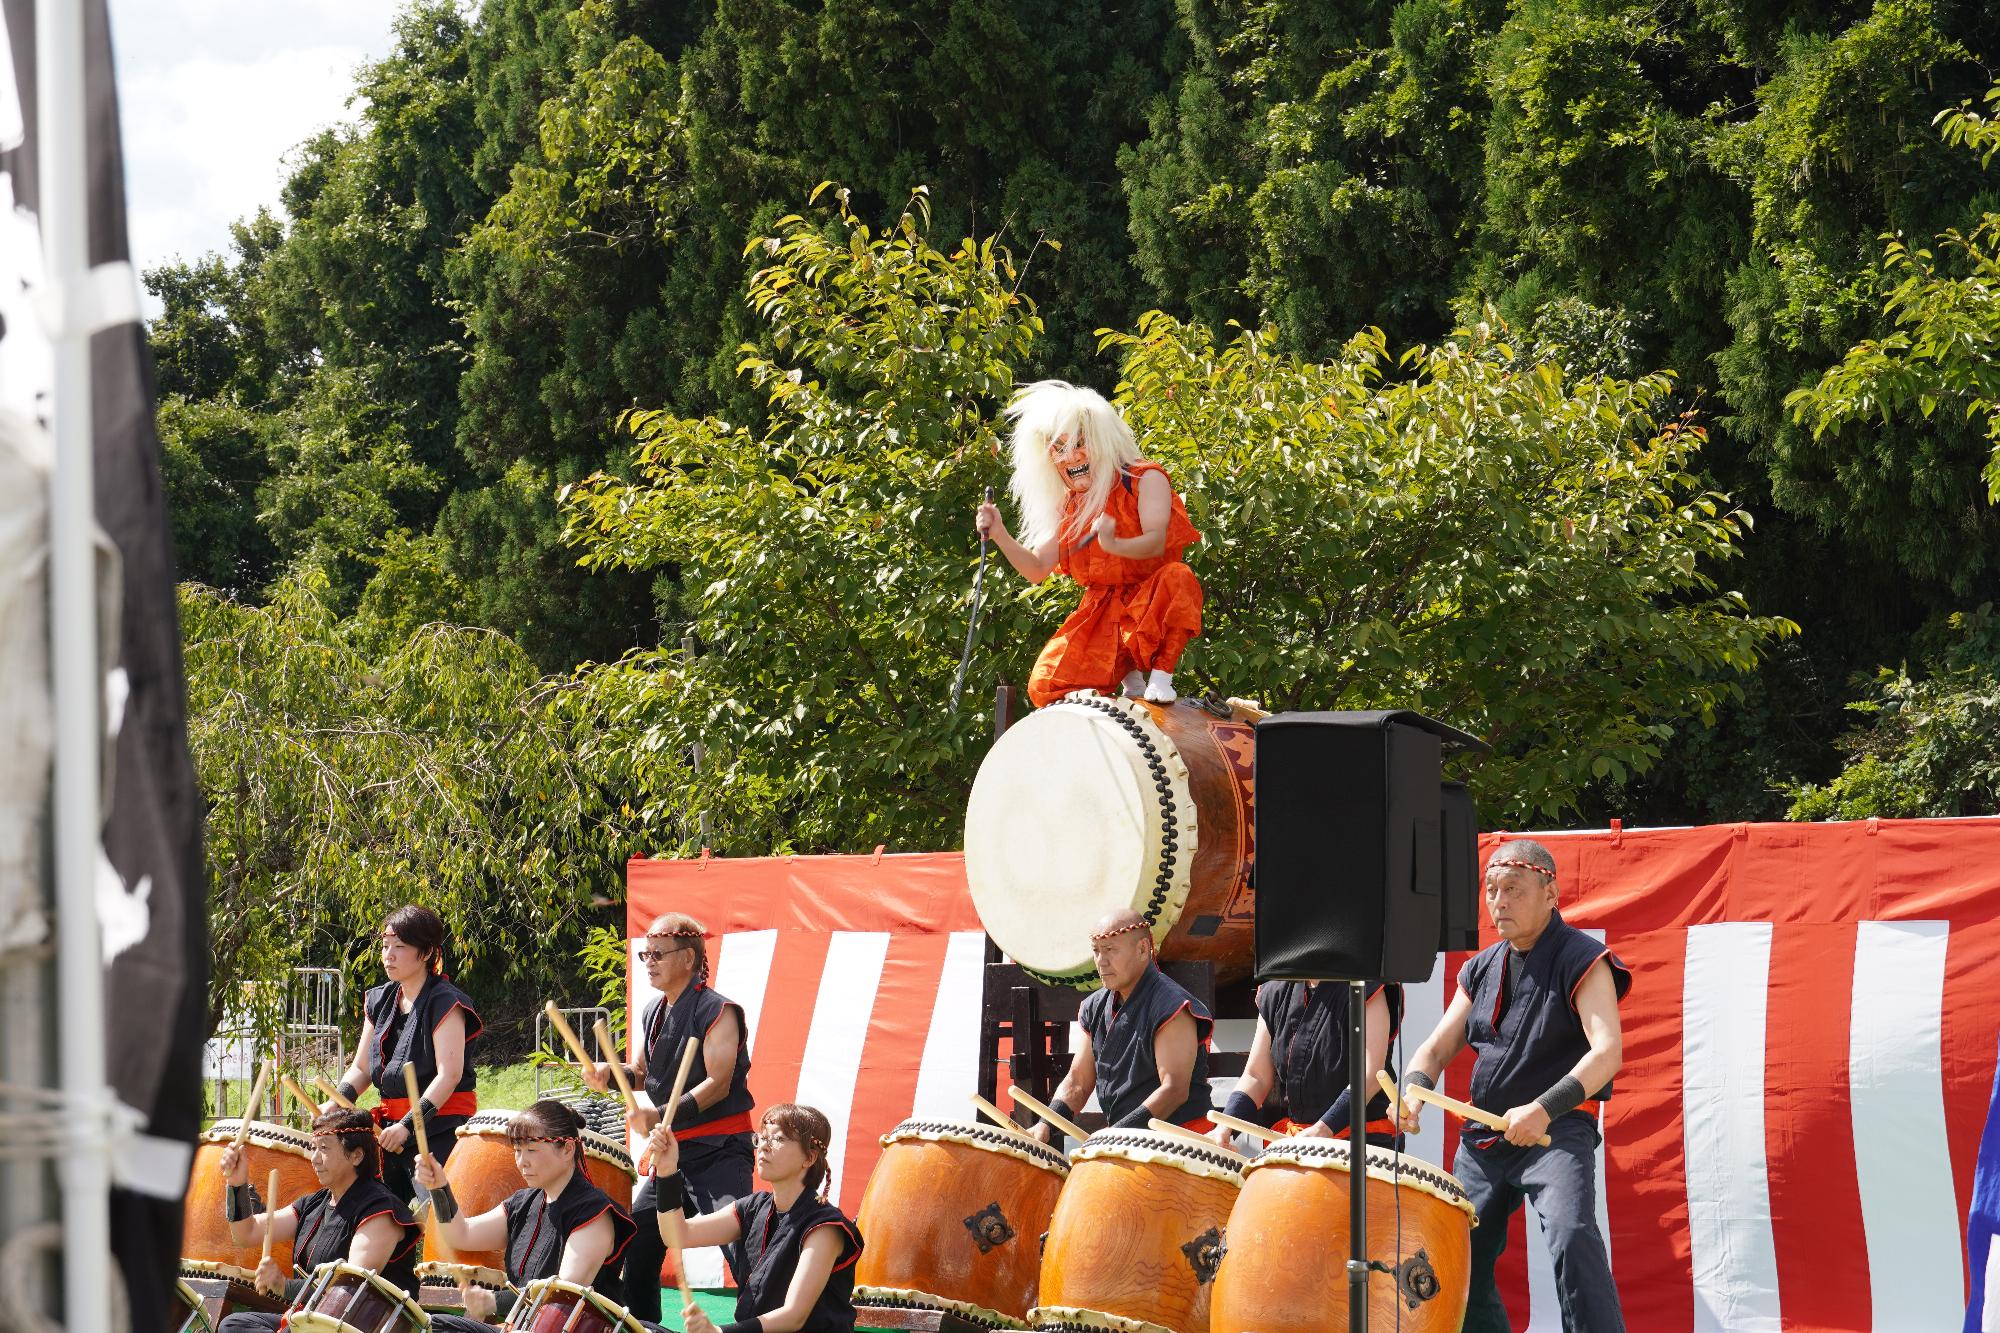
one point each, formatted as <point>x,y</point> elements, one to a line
<point>1135,614</point>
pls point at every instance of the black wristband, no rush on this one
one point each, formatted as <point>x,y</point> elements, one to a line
<point>1420,1078</point>
<point>1137,1118</point>
<point>425,1108</point>
<point>751,1325</point>
<point>1565,1096</point>
<point>346,1089</point>
<point>443,1204</point>
<point>1337,1115</point>
<point>670,1193</point>
<point>1241,1106</point>
<point>685,1110</point>
<point>237,1205</point>
<point>1061,1108</point>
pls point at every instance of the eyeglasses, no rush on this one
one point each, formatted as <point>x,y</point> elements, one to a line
<point>769,1141</point>
<point>654,955</point>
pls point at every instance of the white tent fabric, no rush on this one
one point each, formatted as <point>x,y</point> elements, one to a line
<point>24,704</point>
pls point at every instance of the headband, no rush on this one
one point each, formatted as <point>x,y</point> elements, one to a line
<point>1543,871</point>
<point>331,1133</point>
<point>1099,936</point>
<point>542,1138</point>
<point>684,933</point>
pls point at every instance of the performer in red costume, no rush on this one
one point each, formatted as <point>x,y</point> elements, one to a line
<point>1093,509</point>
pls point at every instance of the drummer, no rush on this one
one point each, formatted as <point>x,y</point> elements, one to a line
<point>712,1118</point>
<point>1145,1039</point>
<point>350,1217</point>
<point>560,1225</point>
<point>798,1249</point>
<point>416,1017</point>
<point>1540,1011</point>
<point>1297,1065</point>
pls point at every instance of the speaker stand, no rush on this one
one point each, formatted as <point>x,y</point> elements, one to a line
<point>1357,1156</point>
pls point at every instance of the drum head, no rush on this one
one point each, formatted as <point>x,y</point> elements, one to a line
<point>1152,1147</point>
<point>1080,809</point>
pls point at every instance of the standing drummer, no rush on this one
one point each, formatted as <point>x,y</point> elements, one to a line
<point>1297,1065</point>
<point>1145,1039</point>
<point>1540,1011</point>
<point>712,1119</point>
<point>417,1018</point>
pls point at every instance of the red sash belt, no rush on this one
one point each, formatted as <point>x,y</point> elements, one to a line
<point>462,1102</point>
<point>1289,1126</point>
<point>729,1124</point>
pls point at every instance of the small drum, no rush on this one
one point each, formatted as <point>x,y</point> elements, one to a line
<point>481,1174</point>
<point>438,1286</point>
<point>1294,1202</point>
<point>204,1235</point>
<point>340,1298</point>
<point>1137,1234</point>
<point>1094,804</point>
<point>195,1317</point>
<point>552,1305</point>
<point>954,1216</point>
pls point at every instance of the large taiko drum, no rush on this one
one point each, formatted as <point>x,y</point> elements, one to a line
<point>1093,804</point>
<point>1294,1203</point>
<point>204,1234</point>
<point>954,1216</point>
<point>1137,1234</point>
<point>481,1174</point>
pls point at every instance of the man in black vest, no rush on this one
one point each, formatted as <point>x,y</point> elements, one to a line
<point>1540,1011</point>
<point>1145,1039</point>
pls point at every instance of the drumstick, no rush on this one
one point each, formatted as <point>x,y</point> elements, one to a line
<point>1172,1130</point>
<point>250,1107</point>
<point>270,1213</point>
<point>1047,1113</point>
<point>674,1097</point>
<point>299,1096</point>
<point>568,1034</point>
<point>1245,1127</point>
<point>676,1243</point>
<point>332,1093</point>
<point>1002,1119</point>
<point>1463,1110</point>
<point>618,1067</point>
<point>417,1112</point>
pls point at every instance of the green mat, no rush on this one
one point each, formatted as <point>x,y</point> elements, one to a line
<point>719,1306</point>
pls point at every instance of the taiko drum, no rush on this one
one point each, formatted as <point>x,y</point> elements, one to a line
<point>1294,1202</point>
<point>1137,1234</point>
<point>204,1233</point>
<point>954,1216</point>
<point>481,1174</point>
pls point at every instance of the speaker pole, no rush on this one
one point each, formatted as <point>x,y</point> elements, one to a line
<point>1357,1157</point>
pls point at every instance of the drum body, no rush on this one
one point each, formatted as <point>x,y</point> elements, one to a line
<point>1294,1203</point>
<point>1137,1234</point>
<point>340,1298</point>
<point>204,1234</point>
<point>552,1305</point>
<point>188,1306</point>
<point>954,1216</point>
<point>217,1290</point>
<point>481,1174</point>
<point>1094,804</point>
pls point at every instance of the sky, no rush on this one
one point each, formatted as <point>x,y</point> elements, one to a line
<point>215,93</point>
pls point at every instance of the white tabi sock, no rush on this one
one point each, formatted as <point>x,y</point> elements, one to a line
<point>1135,685</point>
<point>1160,687</point>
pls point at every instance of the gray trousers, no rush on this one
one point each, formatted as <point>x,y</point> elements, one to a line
<point>1561,1182</point>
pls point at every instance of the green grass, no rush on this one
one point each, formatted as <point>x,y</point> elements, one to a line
<point>501,1088</point>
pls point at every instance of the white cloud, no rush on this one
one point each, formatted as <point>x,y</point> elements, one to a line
<point>215,93</point>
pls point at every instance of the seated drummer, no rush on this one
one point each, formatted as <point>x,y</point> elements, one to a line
<point>352,1217</point>
<point>1298,1062</point>
<point>1145,1039</point>
<point>561,1225</point>
<point>798,1250</point>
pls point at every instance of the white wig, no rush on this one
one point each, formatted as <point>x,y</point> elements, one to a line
<point>1041,412</point>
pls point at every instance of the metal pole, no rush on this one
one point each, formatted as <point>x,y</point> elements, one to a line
<point>85,1170</point>
<point>1357,1157</point>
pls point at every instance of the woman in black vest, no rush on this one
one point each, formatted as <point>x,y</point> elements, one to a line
<point>416,1017</point>
<point>351,1217</point>
<point>712,1118</point>
<point>797,1271</point>
<point>560,1225</point>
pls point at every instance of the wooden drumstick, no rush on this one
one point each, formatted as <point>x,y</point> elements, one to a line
<point>416,1112</point>
<point>1463,1110</point>
<point>604,1043</point>
<point>332,1093</point>
<point>680,1086</point>
<point>568,1034</point>
<point>1069,1127</point>
<point>677,1241</point>
<point>270,1212</point>
<point>250,1107</point>
<point>299,1096</point>
<point>1002,1119</point>
<point>1245,1127</point>
<point>1172,1130</point>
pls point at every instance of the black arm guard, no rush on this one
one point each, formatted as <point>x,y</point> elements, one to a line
<point>670,1193</point>
<point>443,1203</point>
<point>237,1205</point>
<point>1564,1097</point>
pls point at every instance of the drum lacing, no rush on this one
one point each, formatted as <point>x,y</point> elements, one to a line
<point>998,1137</point>
<point>1168,1144</point>
<point>1415,1170</point>
<point>917,1300</point>
<point>1156,766</point>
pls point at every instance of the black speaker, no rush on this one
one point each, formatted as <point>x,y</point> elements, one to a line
<point>1350,845</point>
<point>1458,869</point>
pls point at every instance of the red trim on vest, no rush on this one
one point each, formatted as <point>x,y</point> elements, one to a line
<point>854,1241</point>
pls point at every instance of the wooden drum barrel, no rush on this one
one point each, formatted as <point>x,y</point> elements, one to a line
<point>204,1235</point>
<point>1137,1234</point>
<point>954,1216</point>
<point>1094,804</point>
<point>1294,1203</point>
<point>481,1174</point>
